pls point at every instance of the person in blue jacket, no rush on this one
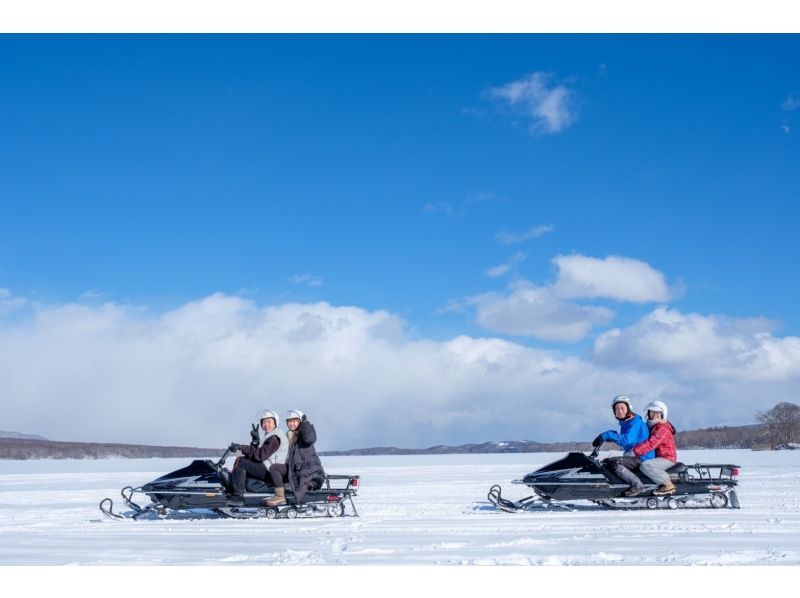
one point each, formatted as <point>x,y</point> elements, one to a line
<point>632,431</point>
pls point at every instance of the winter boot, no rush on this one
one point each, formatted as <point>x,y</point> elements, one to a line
<point>236,500</point>
<point>279,498</point>
<point>633,491</point>
<point>666,489</point>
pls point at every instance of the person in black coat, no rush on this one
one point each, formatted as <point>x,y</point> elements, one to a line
<point>305,470</point>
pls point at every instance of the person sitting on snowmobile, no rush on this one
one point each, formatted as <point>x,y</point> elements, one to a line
<point>303,467</point>
<point>632,431</point>
<point>662,439</point>
<point>257,457</point>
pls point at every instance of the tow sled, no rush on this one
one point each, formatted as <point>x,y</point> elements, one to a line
<point>205,484</point>
<point>582,477</point>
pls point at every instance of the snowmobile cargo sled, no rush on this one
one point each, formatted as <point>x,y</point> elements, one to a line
<point>205,484</point>
<point>582,477</point>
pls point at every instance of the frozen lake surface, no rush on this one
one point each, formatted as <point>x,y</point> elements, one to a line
<point>414,510</point>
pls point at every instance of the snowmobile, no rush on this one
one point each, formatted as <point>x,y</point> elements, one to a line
<point>582,477</point>
<point>205,484</point>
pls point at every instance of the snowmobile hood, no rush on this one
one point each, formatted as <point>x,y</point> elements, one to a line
<point>573,466</point>
<point>199,474</point>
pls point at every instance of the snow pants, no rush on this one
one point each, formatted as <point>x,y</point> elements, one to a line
<point>656,470</point>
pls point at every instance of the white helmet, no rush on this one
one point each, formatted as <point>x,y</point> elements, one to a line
<point>294,414</point>
<point>622,399</point>
<point>265,413</point>
<point>659,407</point>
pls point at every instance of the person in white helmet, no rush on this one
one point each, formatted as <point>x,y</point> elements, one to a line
<point>303,469</point>
<point>632,431</point>
<point>257,457</point>
<point>662,440</point>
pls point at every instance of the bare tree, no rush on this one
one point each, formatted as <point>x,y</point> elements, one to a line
<point>783,423</point>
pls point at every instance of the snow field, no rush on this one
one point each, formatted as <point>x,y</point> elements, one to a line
<point>415,510</point>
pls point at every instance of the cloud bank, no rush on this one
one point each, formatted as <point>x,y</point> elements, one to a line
<point>197,374</point>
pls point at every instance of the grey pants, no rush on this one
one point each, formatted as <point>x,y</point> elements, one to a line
<point>656,470</point>
<point>623,467</point>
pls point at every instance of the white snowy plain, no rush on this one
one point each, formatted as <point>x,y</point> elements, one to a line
<point>413,510</point>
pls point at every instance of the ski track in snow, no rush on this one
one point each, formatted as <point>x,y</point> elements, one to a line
<point>414,510</point>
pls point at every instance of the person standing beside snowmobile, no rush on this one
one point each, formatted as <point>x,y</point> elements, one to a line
<point>256,458</point>
<point>662,439</point>
<point>632,431</point>
<point>303,467</point>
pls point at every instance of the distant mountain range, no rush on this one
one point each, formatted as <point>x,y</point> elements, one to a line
<point>21,436</point>
<point>748,437</point>
<point>27,446</point>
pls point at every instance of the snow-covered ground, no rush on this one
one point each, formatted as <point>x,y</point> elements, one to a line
<point>414,510</point>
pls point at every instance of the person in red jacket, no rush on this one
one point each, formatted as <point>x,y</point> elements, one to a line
<point>662,439</point>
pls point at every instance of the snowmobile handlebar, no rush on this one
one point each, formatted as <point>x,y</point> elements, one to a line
<point>594,453</point>
<point>224,456</point>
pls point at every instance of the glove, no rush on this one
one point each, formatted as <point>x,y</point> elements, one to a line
<point>254,436</point>
<point>598,441</point>
<point>234,447</point>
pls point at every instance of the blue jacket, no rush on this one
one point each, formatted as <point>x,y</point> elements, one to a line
<point>632,431</point>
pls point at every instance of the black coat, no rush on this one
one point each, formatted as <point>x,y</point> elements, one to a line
<point>304,467</point>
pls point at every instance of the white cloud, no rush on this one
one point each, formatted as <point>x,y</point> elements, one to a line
<point>9,303</point>
<point>701,346</point>
<point>94,294</point>
<point>791,102</point>
<point>533,233</point>
<point>308,280</point>
<point>506,267</point>
<point>548,312</point>
<point>722,369</point>
<point>615,277</point>
<point>480,197</point>
<point>549,106</point>
<point>196,375</point>
<point>460,209</point>
<point>529,310</point>
<point>444,207</point>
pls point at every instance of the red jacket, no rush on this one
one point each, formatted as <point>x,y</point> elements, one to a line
<point>662,438</point>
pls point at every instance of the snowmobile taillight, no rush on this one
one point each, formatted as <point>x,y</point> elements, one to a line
<point>354,482</point>
<point>332,498</point>
<point>735,471</point>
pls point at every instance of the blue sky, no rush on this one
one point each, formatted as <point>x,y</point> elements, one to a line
<point>393,173</point>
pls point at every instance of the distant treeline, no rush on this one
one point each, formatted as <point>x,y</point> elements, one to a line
<point>20,448</point>
<point>723,437</point>
<point>753,437</point>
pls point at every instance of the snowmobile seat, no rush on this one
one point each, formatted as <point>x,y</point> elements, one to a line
<point>259,486</point>
<point>677,468</point>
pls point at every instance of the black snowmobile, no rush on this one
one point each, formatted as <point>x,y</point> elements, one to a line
<point>584,477</point>
<point>205,484</point>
